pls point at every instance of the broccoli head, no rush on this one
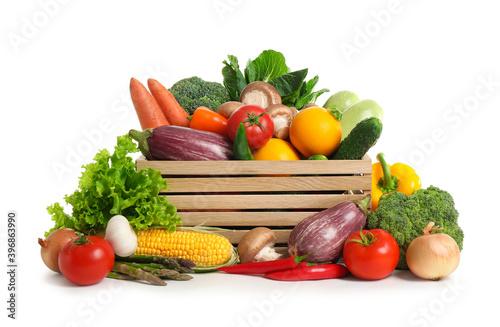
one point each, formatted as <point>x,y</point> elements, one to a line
<point>194,92</point>
<point>406,216</point>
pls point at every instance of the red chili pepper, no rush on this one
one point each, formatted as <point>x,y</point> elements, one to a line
<point>314,272</point>
<point>264,267</point>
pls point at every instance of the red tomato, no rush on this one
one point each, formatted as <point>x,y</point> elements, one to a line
<point>86,260</point>
<point>258,125</point>
<point>372,256</point>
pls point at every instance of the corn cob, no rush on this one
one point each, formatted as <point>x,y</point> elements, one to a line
<point>201,247</point>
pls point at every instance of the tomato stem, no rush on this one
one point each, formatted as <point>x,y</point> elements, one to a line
<point>365,240</point>
<point>82,239</point>
<point>254,120</point>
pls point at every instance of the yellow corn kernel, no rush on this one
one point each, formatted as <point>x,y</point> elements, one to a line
<point>203,248</point>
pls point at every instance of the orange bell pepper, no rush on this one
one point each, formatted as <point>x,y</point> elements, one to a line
<point>386,179</point>
<point>207,120</point>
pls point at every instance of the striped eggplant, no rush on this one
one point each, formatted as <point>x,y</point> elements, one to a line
<point>323,234</point>
<point>182,143</point>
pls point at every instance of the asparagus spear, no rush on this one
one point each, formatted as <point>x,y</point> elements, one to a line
<point>151,267</point>
<point>123,267</point>
<point>171,274</point>
<point>170,262</point>
<point>161,271</point>
<point>116,275</point>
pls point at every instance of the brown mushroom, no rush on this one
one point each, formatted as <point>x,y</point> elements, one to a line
<point>227,108</point>
<point>258,245</point>
<point>260,93</point>
<point>282,118</point>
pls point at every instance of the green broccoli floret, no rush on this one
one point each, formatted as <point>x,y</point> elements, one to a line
<point>194,92</point>
<point>405,217</point>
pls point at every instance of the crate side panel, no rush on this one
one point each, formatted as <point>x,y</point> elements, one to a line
<point>258,167</point>
<point>242,218</point>
<point>260,201</point>
<point>269,184</point>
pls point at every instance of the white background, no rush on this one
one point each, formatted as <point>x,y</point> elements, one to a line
<point>433,66</point>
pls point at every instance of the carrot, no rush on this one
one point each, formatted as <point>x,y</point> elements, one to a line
<point>171,109</point>
<point>148,111</point>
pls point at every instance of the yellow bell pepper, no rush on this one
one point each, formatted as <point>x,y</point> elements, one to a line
<point>386,179</point>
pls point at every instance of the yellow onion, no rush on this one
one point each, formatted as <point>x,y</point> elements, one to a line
<point>52,245</point>
<point>433,256</point>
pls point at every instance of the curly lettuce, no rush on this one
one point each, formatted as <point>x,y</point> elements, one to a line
<point>111,185</point>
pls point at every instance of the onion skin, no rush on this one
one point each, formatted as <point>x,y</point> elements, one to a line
<point>433,256</point>
<point>52,245</point>
<point>323,234</point>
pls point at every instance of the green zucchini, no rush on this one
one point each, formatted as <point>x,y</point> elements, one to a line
<point>355,113</point>
<point>361,138</point>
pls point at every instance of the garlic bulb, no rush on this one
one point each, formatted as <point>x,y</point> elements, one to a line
<point>121,236</point>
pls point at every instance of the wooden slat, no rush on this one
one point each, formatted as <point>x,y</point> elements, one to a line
<point>241,218</point>
<point>259,167</point>
<point>260,201</point>
<point>234,236</point>
<point>270,184</point>
<point>283,250</point>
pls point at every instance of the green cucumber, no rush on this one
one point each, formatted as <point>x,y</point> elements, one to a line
<point>354,114</point>
<point>361,138</point>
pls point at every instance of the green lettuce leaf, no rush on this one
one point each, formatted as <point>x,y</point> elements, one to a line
<point>111,185</point>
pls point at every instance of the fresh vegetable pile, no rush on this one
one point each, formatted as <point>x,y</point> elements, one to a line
<point>199,120</point>
<point>120,227</point>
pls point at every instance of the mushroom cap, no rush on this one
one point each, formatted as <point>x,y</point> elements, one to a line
<point>260,93</point>
<point>282,118</point>
<point>227,108</point>
<point>254,241</point>
<point>279,110</point>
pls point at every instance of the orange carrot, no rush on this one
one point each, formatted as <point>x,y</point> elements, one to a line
<point>148,111</point>
<point>171,109</point>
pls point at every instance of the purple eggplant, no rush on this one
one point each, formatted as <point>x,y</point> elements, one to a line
<point>182,143</point>
<point>323,234</point>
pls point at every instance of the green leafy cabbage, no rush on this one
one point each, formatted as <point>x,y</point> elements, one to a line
<point>270,67</point>
<point>110,186</point>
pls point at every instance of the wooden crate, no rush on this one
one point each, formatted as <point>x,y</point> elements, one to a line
<point>241,195</point>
